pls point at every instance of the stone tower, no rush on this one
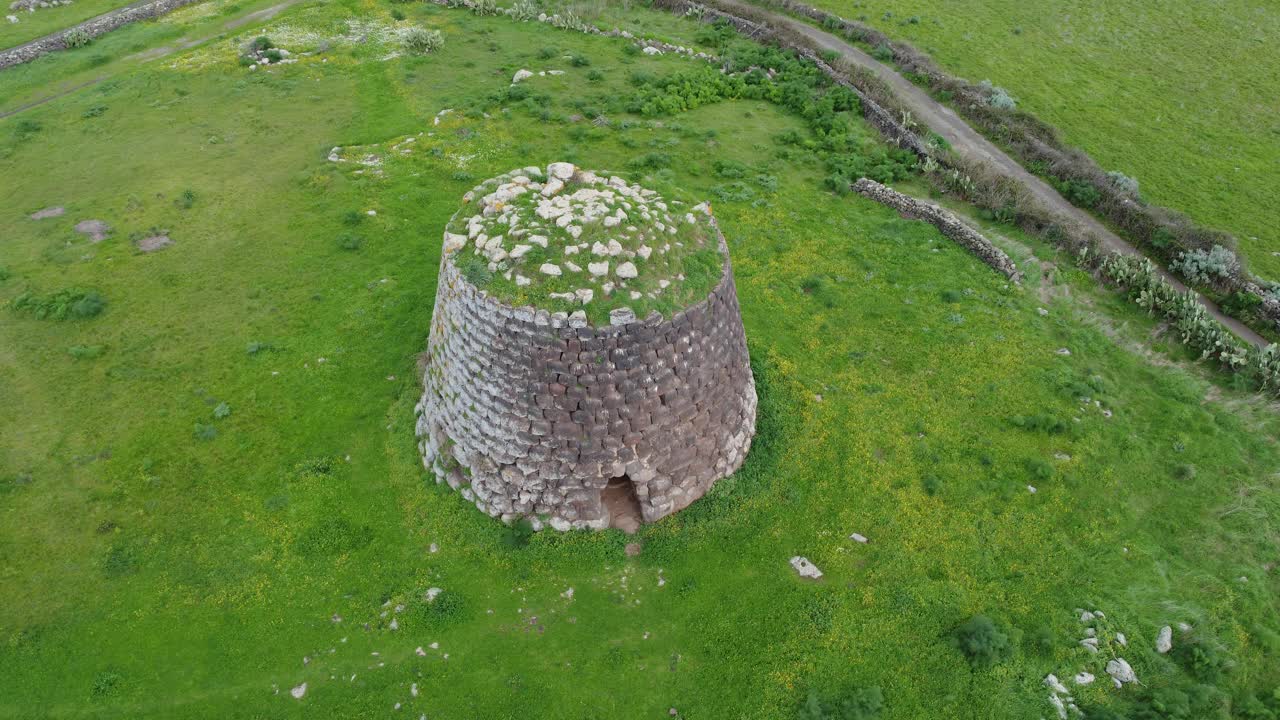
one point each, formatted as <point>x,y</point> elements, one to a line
<point>587,365</point>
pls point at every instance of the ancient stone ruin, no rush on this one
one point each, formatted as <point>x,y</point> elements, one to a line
<point>587,365</point>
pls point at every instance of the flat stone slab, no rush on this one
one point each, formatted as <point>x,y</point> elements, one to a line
<point>95,230</point>
<point>154,243</point>
<point>49,212</point>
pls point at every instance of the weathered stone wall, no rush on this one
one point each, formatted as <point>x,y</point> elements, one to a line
<point>93,27</point>
<point>530,413</point>
<point>949,225</point>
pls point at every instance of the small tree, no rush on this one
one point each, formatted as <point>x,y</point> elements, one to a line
<point>983,641</point>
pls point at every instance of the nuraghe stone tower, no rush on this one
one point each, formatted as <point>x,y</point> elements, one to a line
<point>587,365</point>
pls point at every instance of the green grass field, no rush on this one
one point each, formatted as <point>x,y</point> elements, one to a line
<point>1181,96</point>
<point>211,492</point>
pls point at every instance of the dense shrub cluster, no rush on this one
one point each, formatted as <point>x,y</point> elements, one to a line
<point>856,704</point>
<point>61,305</point>
<point>1207,267</point>
<point>1143,283</point>
<point>76,38</point>
<point>757,72</point>
<point>983,641</point>
<point>421,40</point>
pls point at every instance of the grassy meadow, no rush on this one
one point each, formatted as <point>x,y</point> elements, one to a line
<point>46,21</point>
<point>210,491</point>
<point>1181,96</point>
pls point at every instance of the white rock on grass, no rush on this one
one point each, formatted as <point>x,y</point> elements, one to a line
<point>1164,640</point>
<point>1052,682</point>
<point>522,281</point>
<point>454,242</point>
<point>1120,672</point>
<point>521,74</point>
<point>560,170</point>
<point>627,270</point>
<point>858,538</point>
<point>299,691</point>
<point>1084,678</point>
<point>805,568</point>
<point>432,593</point>
<point>519,251</point>
<point>550,269</point>
<point>598,269</point>
<point>585,295</point>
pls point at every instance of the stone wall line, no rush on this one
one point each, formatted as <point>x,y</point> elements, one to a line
<point>947,223</point>
<point>93,27</point>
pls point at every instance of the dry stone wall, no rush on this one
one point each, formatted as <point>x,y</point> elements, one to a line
<point>92,28</point>
<point>530,413</point>
<point>948,224</point>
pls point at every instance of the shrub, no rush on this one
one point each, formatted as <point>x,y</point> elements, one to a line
<point>856,704</point>
<point>579,61</point>
<point>62,305</point>
<point>524,10</point>
<point>76,38</point>
<point>205,432</point>
<point>983,642</point>
<point>333,536</point>
<point>422,41</point>
<point>484,7</point>
<point>1123,183</point>
<point>997,97</point>
<point>223,410</point>
<point>85,352</point>
<point>595,75</point>
<point>94,111</point>
<point>517,534</point>
<point>883,53</point>
<point>348,241</point>
<point>396,14</point>
<point>475,270</point>
<point>1207,267</point>
<point>650,161</point>
<point>446,607</point>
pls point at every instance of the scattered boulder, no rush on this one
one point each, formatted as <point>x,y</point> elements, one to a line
<point>96,230</point>
<point>1084,678</point>
<point>521,74</point>
<point>805,568</point>
<point>1164,640</point>
<point>1120,672</point>
<point>49,212</point>
<point>854,537</point>
<point>299,691</point>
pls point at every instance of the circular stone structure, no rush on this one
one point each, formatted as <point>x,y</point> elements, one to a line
<point>587,365</point>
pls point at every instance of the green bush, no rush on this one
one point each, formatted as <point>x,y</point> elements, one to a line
<point>484,7</point>
<point>983,641</point>
<point>579,61</point>
<point>421,41</point>
<point>61,305</point>
<point>1207,267</point>
<point>856,704</point>
<point>445,608</point>
<point>524,10</point>
<point>76,38</point>
<point>475,270</point>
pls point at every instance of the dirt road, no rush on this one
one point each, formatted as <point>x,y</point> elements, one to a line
<point>973,145</point>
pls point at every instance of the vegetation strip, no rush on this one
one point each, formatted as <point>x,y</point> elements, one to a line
<point>1166,234</point>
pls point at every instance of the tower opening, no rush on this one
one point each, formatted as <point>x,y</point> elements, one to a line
<point>622,504</point>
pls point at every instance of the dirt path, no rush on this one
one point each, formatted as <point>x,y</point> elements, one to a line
<point>972,145</point>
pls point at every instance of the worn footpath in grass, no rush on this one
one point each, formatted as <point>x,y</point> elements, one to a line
<point>224,501</point>
<point>1180,96</point>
